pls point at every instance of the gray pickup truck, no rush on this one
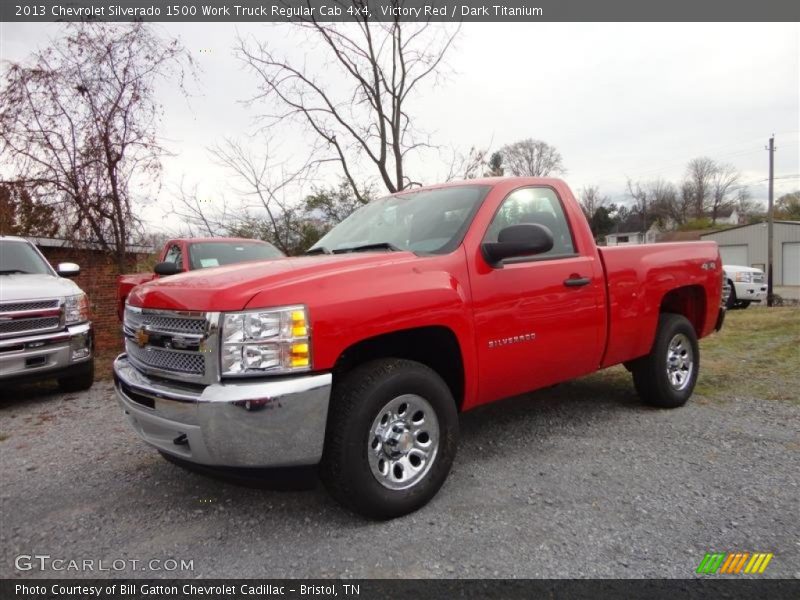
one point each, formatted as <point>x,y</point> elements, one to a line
<point>45,330</point>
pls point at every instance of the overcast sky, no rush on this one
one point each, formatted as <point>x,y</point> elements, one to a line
<point>617,100</point>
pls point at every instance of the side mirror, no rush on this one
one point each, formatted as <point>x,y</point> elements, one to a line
<point>525,239</point>
<point>68,270</point>
<point>166,268</point>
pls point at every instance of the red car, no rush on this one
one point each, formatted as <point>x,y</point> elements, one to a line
<point>187,254</point>
<point>360,355</point>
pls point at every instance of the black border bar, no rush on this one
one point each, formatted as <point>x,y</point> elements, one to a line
<point>219,11</point>
<point>366,589</point>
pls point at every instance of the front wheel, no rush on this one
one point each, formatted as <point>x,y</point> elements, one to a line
<point>731,302</point>
<point>80,382</point>
<point>391,438</point>
<point>666,377</point>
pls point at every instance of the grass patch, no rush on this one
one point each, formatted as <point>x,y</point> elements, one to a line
<point>756,355</point>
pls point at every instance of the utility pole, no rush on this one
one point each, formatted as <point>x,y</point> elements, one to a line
<point>770,217</point>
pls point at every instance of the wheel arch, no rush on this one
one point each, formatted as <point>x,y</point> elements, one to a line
<point>689,301</point>
<point>435,346</point>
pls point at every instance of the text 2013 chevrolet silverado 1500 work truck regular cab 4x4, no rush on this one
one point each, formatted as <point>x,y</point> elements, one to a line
<point>44,319</point>
<point>419,305</point>
<point>187,254</point>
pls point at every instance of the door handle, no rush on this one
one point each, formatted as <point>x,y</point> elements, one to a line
<point>577,281</point>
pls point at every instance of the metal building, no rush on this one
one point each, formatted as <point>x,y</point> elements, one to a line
<point>747,245</point>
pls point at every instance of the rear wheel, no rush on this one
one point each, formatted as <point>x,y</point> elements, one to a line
<point>666,377</point>
<point>391,438</point>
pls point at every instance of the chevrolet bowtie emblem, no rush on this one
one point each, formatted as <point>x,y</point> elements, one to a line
<point>142,337</point>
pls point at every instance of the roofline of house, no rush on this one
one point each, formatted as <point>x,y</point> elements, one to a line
<point>749,225</point>
<point>626,233</point>
<point>64,243</point>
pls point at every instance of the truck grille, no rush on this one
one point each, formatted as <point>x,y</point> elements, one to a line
<point>134,319</point>
<point>25,306</point>
<point>167,342</point>
<point>193,363</point>
<point>30,317</point>
<point>29,325</point>
<point>758,278</point>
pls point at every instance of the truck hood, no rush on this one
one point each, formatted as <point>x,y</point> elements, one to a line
<point>24,286</point>
<point>232,287</point>
<point>740,269</point>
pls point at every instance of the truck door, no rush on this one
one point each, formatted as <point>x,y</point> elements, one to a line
<point>538,319</point>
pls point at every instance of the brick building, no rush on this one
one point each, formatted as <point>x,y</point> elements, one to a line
<point>98,278</point>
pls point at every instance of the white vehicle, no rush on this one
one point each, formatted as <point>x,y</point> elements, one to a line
<point>45,330</point>
<point>747,285</point>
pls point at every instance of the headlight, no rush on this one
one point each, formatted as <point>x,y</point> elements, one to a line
<point>76,309</point>
<point>744,277</point>
<point>265,341</point>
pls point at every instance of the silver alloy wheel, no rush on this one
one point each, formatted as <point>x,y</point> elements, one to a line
<point>403,442</point>
<point>680,361</point>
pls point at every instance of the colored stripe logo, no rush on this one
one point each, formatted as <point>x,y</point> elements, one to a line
<point>734,563</point>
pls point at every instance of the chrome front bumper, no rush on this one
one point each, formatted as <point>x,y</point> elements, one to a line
<point>270,422</point>
<point>751,292</point>
<point>46,354</point>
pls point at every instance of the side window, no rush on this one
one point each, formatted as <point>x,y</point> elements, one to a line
<point>174,256</point>
<point>534,205</point>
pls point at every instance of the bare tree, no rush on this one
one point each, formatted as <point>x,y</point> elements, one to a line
<point>532,158</point>
<point>21,213</point>
<point>266,184</point>
<point>638,192</point>
<point>198,215</point>
<point>78,122</point>
<point>724,183</point>
<point>699,174</point>
<point>745,205</point>
<point>684,203</point>
<point>357,107</point>
<point>467,165</point>
<point>591,200</point>
<point>664,203</point>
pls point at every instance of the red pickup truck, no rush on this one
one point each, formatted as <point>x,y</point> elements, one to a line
<point>187,254</point>
<point>420,305</point>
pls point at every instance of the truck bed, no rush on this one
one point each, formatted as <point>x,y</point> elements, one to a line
<point>637,281</point>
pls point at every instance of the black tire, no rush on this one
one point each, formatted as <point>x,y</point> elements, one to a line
<point>80,382</point>
<point>731,303</point>
<point>358,400</point>
<point>650,373</point>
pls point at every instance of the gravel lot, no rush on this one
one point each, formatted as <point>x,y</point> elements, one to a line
<point>576,481</point>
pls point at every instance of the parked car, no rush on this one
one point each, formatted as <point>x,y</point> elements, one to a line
<point>45,331</point>
<point>186,254</point>
<point>418,306</point>
<point>747,285</point>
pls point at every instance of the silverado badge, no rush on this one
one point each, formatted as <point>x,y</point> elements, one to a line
<point>142,337</point>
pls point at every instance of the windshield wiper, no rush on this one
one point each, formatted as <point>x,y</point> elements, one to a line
<point>318,250</point>
<point>12,271</point>
<point>376,246</point>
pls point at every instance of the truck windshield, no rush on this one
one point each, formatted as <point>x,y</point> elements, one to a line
<point>217,254</point>
<point>428,221</point>
<point>20,257</point>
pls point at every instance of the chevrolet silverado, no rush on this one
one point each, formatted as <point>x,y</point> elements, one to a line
<point>360,355</point>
